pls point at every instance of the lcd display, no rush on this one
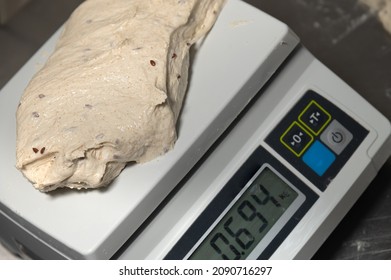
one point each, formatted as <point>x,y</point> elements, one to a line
<point>248,220</point>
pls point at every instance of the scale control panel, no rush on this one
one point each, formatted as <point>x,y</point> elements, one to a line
<point>264,200</point>
<point>317,138</point>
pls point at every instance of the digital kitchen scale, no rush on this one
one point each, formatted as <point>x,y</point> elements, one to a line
<point>273,150</point>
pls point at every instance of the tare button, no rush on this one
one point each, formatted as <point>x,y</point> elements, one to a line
<point>314,117</point>
<point>296,139</point>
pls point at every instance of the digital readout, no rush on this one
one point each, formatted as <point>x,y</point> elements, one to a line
<point>248,220</point>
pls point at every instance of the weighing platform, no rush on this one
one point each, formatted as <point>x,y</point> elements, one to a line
<point>266,168</point>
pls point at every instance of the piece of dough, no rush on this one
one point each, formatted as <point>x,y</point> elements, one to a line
<point>111,92</point>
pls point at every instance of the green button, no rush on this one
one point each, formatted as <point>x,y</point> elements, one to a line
<point>296,138</point>
<point>314,117</point>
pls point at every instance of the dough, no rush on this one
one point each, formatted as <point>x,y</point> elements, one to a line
<point>385,16</point>
<point>111,92</point>
<point>383,10</point>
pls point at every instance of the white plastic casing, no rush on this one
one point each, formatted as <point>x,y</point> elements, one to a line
<point>303,72</point>
<point>232,64</point>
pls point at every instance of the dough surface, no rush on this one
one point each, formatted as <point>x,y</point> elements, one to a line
<point>111,92</point>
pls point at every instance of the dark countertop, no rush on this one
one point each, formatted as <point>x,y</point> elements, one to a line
<point>342,34</point>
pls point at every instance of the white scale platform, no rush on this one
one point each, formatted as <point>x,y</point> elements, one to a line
<point>236,60</point>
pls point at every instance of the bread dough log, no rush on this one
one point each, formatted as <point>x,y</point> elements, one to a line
<point>111,92</point>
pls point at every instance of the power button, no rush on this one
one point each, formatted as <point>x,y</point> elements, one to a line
<point>336,137</point>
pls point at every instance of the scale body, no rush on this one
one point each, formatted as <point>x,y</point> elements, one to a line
<point>260,112</point>
<point>256,142</point>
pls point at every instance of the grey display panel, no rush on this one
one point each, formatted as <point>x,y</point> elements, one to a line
<point>249,219</point>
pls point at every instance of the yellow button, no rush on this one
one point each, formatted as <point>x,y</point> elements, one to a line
<point>296,138</point>
<point>314,117</point>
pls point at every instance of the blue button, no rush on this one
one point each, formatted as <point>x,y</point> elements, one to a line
<point>319,158</point>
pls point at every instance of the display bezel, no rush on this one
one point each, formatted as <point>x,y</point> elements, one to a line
<point>276,227</point>
<point>203,221</point>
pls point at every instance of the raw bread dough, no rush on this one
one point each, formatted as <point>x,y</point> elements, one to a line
<point>385,16</point>
<point>111,92</point>
<point>383,10</point>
